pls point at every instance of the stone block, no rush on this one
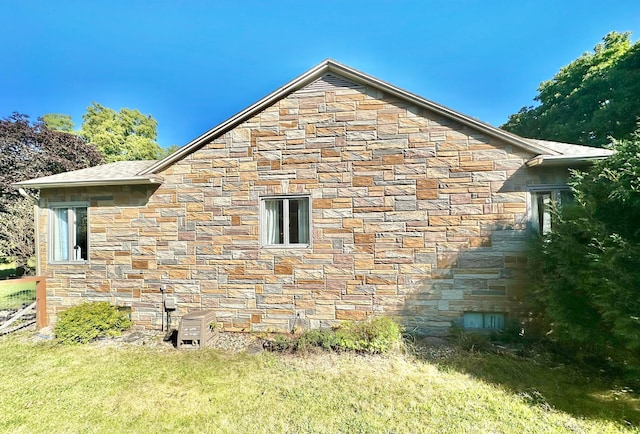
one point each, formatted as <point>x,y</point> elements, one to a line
<point>405,204</point>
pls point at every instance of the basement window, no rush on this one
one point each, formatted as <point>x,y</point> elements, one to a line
<point>285,221</point>
<point>484,320</point>
<point>68,228</point>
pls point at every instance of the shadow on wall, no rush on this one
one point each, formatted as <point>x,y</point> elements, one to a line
<point>488,279</point>
<point>478,269</point>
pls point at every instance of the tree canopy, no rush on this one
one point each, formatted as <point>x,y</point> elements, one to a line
<point>590,100</point>
<point>59,122</point>
<point>587,269</point>
<point>123,135</point>
<point>30,150</point>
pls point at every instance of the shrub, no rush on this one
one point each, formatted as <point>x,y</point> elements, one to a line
<point>282,343</point>
<point>376,335</point>
<point>320,338</point>
<point>586,271</point>
<point>88,321</point>
<point>470,341</point>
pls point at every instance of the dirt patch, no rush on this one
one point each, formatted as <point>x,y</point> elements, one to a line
<point>234,342</point>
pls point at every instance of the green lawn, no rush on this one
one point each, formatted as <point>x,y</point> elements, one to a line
<point>55,388</point>
<point>14,295</point>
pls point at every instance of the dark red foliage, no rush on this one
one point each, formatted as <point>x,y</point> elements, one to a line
<point>30,150</point>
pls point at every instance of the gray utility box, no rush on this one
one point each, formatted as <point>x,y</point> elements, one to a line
<point>194,331</point>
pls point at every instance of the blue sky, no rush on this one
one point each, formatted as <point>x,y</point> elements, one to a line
<point>192,64</point>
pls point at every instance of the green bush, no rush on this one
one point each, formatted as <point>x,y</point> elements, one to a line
<point>586,272</point>
<point>88,321</point>
<point>377,335</point>
<point>283,343</point>
<point>319,338</point>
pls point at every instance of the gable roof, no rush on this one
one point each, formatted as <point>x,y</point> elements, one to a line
<point>120,172</point>
<point>546,153</point>
<point>332,67</point>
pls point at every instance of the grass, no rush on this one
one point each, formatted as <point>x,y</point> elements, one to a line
<point>14,295</point>
<point>91,388</point>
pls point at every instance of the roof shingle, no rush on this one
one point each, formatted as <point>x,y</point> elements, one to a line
<point>120,172</point>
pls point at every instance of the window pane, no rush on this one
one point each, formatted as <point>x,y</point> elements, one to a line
<point>69,240</point>
<point>483,320</point>
<point>566,197</point>
<point>274,222</point>
<point>493,320</point>
<point>473,320</point>
<point>544,211</point>
<point>80,250</point>
<point>60,232</point>
<point>299,221</point>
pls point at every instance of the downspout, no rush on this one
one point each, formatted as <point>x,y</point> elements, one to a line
<point>36,225</point>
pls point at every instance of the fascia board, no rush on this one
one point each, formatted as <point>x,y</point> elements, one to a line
<point>90,183</point>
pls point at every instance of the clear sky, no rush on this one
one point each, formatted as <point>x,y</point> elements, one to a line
<point>192,64</point>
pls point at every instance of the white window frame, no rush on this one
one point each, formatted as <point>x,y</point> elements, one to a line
<point>264,242</point>
<point>555,195</point>
<point>74,255</point>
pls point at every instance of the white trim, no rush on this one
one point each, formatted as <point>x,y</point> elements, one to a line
<point>52,242</point>
<point>36,221</point>
<point>285,210</point>
<point>563,160</point>
<point>555,191</point>
<point>92,183</point>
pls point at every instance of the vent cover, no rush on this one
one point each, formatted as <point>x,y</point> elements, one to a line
<point>330,82</point>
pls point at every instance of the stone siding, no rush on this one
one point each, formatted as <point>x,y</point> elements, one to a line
<point>413,215</point>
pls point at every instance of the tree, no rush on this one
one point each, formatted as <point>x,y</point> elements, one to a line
<point>588,267</point>
<point>59,122</point>
<point>17,236</point>
<point>590,100</point>
<point>123,135</point>
<point>30,150</point>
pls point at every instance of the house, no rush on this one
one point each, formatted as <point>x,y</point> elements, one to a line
<point>336,197</point>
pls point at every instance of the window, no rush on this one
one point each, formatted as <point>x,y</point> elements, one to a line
<point>542,203</point>
<point>483,320</point>
<point>285,221</point>
<point>69,241</point>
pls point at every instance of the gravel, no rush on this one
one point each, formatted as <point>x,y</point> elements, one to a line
<point>430,348</point>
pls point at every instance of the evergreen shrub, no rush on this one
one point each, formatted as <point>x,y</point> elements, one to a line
<point>88,321</point>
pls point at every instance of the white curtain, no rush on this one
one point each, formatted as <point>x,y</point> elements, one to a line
<point>61,235</point>
<point>271,221</point>
<point>303,221</point>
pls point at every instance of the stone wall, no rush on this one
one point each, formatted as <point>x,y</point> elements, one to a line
<point>413,215</point>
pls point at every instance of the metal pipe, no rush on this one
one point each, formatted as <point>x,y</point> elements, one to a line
<point>162,308</point>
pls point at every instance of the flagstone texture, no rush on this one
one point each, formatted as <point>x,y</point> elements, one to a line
<point>413,216</point>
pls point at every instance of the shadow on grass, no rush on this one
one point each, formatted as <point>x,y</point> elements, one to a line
<point>18,298</point>
<point>565,388</point>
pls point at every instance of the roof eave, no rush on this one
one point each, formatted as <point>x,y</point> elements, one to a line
<point>358,77</point>
<point>156,180</point>
<point>440,109</point>
<point>564,160</point>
